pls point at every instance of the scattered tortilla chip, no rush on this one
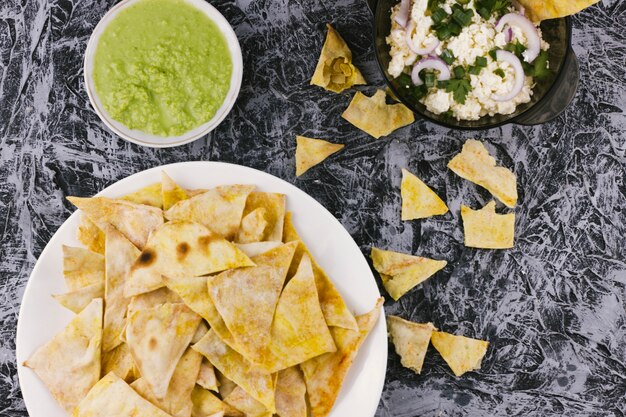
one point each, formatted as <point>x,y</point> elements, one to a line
<point>374,116</point>
<point>486,229</point>
<point>206,376</point>
<point>538,10</point>
<point>401,272</point>
<point>205,403</point>
<point>257,248</point>
<point>419,201</point>
<point>333,306</point>
<point>335,71</point>
<point>310,152</point>
<point>324,375</point>
<point>90,235</point>
<point>252,227</point>
<point>181,249</point>
<point>411,341</point>
<point>77,300</point>
<point>149,195</point>
<point>220,209</point>
<point>236,368</point>
<point>120,362</point>
<point>111,396</point>
<point>476,165</point>
<point>157,339</point>
<point>153,299</point>
<point>82,267</point>
<point>290,393</point>
<point>244,402</point>
<point>172,193</point>
<point>177,400</point>
<point>274,205</point>
<point>462,354</point>
<point>69,364</point>
<point>135,221</point>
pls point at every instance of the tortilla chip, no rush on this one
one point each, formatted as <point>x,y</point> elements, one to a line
<point>274,205</point>
<point>172,193</point>
<point>476,165</point>
<point>220,209</point>
<point>153,299</point>
<point>120,362</point>
<point>419,201</point>
<point>244,402</point>
<point>69,364</point>
<point>252,227</point>
<point>411,341</point>
<point>290,393</point>
<point>333,306</point>
<point>206,376</point>
<point>401,272</point>
<point>310,152</point>
<point>180,249</point>
<point>226,385</point>
<point>299,331</point>
<point>236,368</point>
<point>201,330</point>
<point>325,374</point>
<point>142,281</point>
<point>486,229</point>
<point>90,235</point>
<point>538,10</point>
<point>205,403</point>
<point>149,195</point>
<point>374,116</point>
<point>462,354</point>
<point>111,396</point>
<point>157,339</point>
<point>257,248</point>
<point>135,221</point>
<point>76,301</point>
<point>82,268</point>
<point>335,71</point>
<point>177,401</point>
<point>120,255</point>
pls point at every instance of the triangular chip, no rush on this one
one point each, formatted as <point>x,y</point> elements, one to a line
<point>111,396</point>
<point>274,206</point>
<point>290,393</point>
<point>177,400</point>
<point>244,402</point>
<point>220,209</point>
<point>201,330</point>
<point>236,368</point>
<point>157,339</point>
<point>226,385</point>
<point>205,403</point>
<point>135,221</point>
<point>149,195</point>
<point>335,71</point>
<point>119,256</point>
<point>82,267</point>
<point>206,376</point>
<point>252,227</point>
<point>69,364</point>
<point>401,272</point>
<point>299,331</point>
<point>120,362</point>
<point>333,306</point>
<point>476,165</point>
<point>539,10</point>
<point>172,193</point>
<point>411,341</point>
<point>257,248</point>
<point>419,201</point>
<point>310,152</point>
<point>153,299</point>
<point>374,116</point>
<point>90,235</point>
<point>77,300</point>
<point>324,375</point>
<point>487,229</point>
<point>142,280</point>
<point>462,354</point>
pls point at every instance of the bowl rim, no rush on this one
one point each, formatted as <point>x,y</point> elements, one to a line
<point>154,141</point>
<point>549,91</point>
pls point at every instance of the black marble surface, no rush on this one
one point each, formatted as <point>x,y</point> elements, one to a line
<point>552,307</point>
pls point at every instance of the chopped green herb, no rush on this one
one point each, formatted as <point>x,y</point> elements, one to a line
<point>455,29</point>
<point>443,32</point>
<point>500,72</point>
<point>463,17</point>
<point>442,84</point>
<point>447,56</point>
<point>404,80</point>
<point>516,48</point>
<point>448,114</point>
<point>420,91</point>
<point>474,69</point>
<point>439,15</point>
<point>481,61</point>
<point>459,72</point>
<point>430,79</point>
<point>459,89</point>
<point>540,66</point>
<point>489,8</point>
<point>463,1</point>
<point>493,54</point>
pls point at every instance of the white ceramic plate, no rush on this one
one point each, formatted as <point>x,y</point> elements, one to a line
<point>41,317</point>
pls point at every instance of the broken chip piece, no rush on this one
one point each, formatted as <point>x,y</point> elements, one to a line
<point>171,193</point>
<point>374,116</point>
<point>538,10</point>
<point>411,341</point>
<point>462,354</point>
<point>487,229</point>
<point>419,201</point>
<point>310,152</point>
<point>149,195</point>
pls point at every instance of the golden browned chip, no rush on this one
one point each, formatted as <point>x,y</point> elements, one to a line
<point>152,299</point>
<point>142,281</point>
<point>135,221</point>
<point>252,227</point>
<point>335,71</point>
<point>77,300</point>
<point>257,248</point>
<point>149,195</point>
<point>244,402</point>
<point>200,332</point>
<point>157,338</point>
<point>486,229</point>
<point>274,205</point>
<point>411,341</point>
<point>205,403</point>
<point>401,272</point>
<point>219,209</point>
<point>120,362</point>
<point>290,393</point>
<point>69,364</point>
<point>333,306</point>
<point>462,354</point>
<point>90,235</point>
<point>111,396</point>
<point>206,376</point>
<point>172,193</point>
<point>538,10</point>
<point>419,201</point>
<point>226,385</point>
<point>324,375</point>
<point>476,165</point>
<point>374,116</point>
<point>310,152</point>
<point>82,267</point>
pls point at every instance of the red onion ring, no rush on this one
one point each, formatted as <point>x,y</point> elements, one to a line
<point>430,62</point>
<point>521,9</point>
<point>419,51</point>
<point>508,35</point>
<point>533,47</point>
<point>506,56</point>
<point>402,17</point>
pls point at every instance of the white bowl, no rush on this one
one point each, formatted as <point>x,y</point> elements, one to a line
<point>146,139</point>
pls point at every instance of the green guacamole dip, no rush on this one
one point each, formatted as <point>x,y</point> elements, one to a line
<point>162,67</point>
